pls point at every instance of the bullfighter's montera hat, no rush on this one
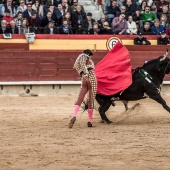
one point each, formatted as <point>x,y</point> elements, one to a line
<point>88,52</point>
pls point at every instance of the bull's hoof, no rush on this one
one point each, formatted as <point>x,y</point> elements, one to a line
<point>109,122</point>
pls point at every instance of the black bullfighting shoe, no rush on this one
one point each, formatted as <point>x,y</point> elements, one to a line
<point>89,124</point>
<point>72,122</point>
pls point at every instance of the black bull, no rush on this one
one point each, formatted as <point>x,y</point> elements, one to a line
<point>146,80</point>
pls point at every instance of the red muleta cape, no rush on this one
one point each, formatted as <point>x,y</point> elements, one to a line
<point>113,72</point>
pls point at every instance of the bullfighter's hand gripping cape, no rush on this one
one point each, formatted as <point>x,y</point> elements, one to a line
<point>113,72</point>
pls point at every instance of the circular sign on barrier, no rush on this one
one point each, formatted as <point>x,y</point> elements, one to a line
<point>111,42</point>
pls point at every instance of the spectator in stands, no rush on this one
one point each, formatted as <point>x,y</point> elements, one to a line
<point>24,26</point>
<point>95,29</point>
<point>119,24</point>
<point>18,20</point>
<point>38,8</point>
<point>137,17</point>
<point>50,28</point>
<point>53,11</point>
<point>64,2</point>
<point>59,14</point>
<point>157,28</point>
<point>163,21</point>
<point>67,8</point>
<point>3,28</point>
<point>106,28</point>
<point>162,40</point>
<point>65,27</point>
<point>154,10</point>
<point>34,23</point>
<point>70,2</point>
<point>165,11</point>
<point>147,29</point>
<point>13,28</point>
<point>131,26</point>
<point>149,2</point>
<point>22,7</point>
<point>56,2</point>
<point>101,21</point>
<point>46,6</point>
<point>130,8</point>
<point>46,19</point>
<point>122,10</point>
<point>143,5</point>
<point>74,7</point>
<point>148,16</point>
<point>87,23</point>
<point>140,40</point>
<point>77,19</point>
<point>159,6</point>
<point>7,17</point>
<point>112,11</point>
<point>8,5</point>
<point>27,12</point>
<point>68,17</point>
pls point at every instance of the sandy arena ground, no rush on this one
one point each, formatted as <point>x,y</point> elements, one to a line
<point>34,135</point>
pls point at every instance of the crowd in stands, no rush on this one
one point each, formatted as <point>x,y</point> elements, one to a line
<point>149,17</point>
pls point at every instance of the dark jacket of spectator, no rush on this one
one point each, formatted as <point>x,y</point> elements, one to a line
<point>65,30</point>
<point>130,10</point>
<point>35,25</point>
<point>70,2</point>
<point>14,31</point>
<point>93,31</point>
<point>113,11</point>
<point>57,2</point>
<point>140,39</point>
<point>26,14</point>
<point>162,41</point>
<point>76,16</point>
<point>85,25</point>
<point>47,30</point>
<point>147,32</point>
<point>100,23</point>
<point>45,21</point>
<point>5,31</point>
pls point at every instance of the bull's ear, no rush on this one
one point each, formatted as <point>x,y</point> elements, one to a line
<point>165,55</point>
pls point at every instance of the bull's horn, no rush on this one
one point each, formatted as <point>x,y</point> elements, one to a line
<point>165,55</point>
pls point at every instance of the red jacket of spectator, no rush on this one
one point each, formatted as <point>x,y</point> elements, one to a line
<point>8,19</point>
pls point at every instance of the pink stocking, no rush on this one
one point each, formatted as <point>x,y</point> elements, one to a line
<point>90,114</point>
<point>76,109</point>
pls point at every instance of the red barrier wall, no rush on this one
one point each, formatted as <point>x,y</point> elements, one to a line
<point>57,65</point>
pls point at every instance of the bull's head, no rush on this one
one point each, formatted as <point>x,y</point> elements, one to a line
<point>164,63</point>
<point>165,55</point>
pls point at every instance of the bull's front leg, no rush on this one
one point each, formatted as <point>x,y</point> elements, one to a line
<point>157,97</point>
